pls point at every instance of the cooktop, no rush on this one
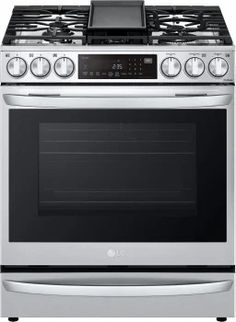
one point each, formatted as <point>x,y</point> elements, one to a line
<point>117,23</point>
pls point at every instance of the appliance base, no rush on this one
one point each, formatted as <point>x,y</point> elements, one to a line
<point>221,319</point>
<point>69,295</point>
<point>13,319</point>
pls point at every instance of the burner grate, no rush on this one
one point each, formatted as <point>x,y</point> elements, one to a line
<point>165,25</point>
<point>193,25</point>
<point>47,25</point>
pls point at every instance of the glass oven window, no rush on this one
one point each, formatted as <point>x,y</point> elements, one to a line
<point>117,167</point>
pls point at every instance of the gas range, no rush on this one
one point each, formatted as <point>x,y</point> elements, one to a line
<point>117,143</point>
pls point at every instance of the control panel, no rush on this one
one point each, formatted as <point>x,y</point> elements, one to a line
<point>89,66</point>
<point>117,66</point>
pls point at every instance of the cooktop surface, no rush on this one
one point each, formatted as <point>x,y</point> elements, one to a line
<point>106,25</point>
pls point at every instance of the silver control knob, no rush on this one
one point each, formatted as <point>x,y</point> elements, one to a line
<point>171,67</point>
<point>218,67</point>
<point>16,67</point>
<point>64,67</point>
<point>40,67</point>
<point>194,67</point>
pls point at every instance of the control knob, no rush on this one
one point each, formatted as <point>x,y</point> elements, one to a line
<point>195,67</point>
<point>40,67</point>
<point>64,67</point>
<point>16,67</point>
<point>218,67</point>
<point>171,67</point>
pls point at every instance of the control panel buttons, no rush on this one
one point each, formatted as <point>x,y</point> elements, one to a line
<point>117,66</point>
<point>40,67</point>
<point>194,67</point>
<point>171,67</point>
<point>218,67</point>
<point>64,67</point>
<point>16,67</point>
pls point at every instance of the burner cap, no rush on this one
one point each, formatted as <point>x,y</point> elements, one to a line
<point>57,30</point>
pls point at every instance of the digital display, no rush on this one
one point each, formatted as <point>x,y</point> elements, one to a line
<point>117,66</point>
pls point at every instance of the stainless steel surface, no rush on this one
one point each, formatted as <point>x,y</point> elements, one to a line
<point>122,100</point>
<point>183,54</point>
<point>187,305</point>
<point>117,291</point>
<point>125,253</point>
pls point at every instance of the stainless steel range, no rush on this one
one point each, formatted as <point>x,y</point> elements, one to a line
<point>117,162</point>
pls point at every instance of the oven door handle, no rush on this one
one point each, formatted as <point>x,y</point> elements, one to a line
<point>117,291</point>
<point>119,101</point>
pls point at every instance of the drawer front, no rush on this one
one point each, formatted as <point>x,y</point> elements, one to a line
<point>117,294</point>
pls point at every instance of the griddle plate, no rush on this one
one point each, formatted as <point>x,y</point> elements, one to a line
<point>117,15</point>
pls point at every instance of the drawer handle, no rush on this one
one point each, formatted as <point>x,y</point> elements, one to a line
<point>117,291</point>
<point>80,102</point>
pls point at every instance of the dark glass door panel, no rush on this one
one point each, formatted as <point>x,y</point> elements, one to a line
<point>118,176</point>
<point>105,165</point>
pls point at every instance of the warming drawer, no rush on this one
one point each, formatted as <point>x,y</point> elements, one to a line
<point>117,294</point>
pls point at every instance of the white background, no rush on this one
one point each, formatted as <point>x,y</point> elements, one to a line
<point>228,8</point>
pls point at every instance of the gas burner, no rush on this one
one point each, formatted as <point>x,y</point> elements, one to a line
<point>58,28</point>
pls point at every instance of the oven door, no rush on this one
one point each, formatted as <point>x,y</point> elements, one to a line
<point>117,175</point>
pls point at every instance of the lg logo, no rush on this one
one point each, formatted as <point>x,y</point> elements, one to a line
<point>115,252</point>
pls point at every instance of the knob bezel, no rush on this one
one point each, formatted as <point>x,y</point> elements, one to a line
<point>167,76</point>
<point>193,76</point>
<point>37,76</point>
<point>26,67</point>
<point>219,75</point>
<point>61,75</point>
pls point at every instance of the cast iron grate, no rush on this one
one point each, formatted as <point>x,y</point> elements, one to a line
<point>166,25</point>
<point>198,25</point>
<point>47,24</point>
